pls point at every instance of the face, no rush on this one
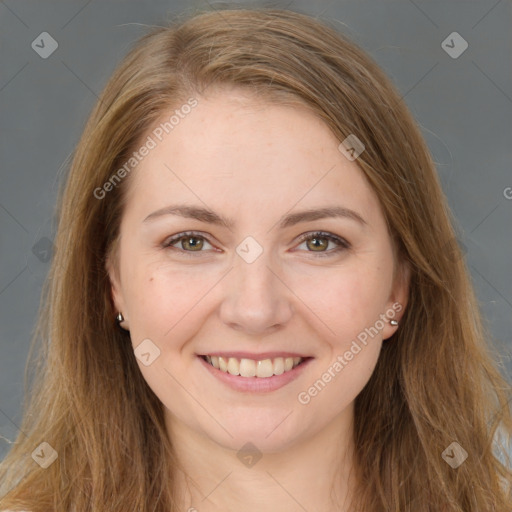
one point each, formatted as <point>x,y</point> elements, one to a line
<point>254,287</point>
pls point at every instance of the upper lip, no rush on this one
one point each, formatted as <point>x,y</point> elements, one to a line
<point>251,355</point>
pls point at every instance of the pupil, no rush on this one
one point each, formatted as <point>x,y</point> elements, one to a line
<point>191,243</point>
<point>316,240</point>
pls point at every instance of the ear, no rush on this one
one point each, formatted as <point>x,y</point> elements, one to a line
<point>398,299</point>
<point>112,268</point>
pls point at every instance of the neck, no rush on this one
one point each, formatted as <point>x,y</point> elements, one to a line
<point>314,473</point>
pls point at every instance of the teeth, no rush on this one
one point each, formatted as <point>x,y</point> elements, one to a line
<point>233,366</point>
<point>247,368</point>
<point>264,368</point>
<point>251,368</point>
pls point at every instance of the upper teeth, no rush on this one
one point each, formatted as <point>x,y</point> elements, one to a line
<point>252,368</point>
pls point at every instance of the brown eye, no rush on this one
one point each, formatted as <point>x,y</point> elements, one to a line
<point>190,243</point>
<point>319,241</point>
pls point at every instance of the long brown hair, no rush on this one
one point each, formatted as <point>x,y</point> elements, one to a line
<point>436,381</point>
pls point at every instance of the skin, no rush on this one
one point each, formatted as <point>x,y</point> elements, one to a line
<point>254,162</point>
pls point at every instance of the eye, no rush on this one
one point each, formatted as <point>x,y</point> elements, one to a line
<point>321,240</point>
<point>192,242</point>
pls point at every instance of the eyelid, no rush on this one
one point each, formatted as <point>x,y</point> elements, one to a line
<point>325,234</point>
<point>342,243</point>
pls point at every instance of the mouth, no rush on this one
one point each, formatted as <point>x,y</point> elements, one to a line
<point>250,368</point>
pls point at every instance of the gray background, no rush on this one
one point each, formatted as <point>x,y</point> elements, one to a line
<point>462,104</point>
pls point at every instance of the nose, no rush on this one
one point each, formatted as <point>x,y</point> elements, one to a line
<point>256,300</point>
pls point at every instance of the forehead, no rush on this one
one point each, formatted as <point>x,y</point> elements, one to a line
<point>239,151</point>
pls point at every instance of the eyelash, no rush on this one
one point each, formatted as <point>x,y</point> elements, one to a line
<point>342,244</point>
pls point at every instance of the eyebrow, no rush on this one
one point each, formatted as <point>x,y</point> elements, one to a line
<point>209,216</point>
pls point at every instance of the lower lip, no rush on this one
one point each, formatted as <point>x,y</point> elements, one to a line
<point>256,384</point>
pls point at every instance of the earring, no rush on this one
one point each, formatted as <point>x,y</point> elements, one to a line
<point>393,322</point>
<point>119,319</point>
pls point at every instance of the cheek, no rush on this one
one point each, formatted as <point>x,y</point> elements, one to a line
<point>349,304</point>
<point>346,301</point>
<point>166,303</point>
<point>341,381</point>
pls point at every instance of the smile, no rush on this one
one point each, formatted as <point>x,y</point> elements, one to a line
<point>264,368</point>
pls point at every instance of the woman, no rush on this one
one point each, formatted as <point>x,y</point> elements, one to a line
<point>255,373</point>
